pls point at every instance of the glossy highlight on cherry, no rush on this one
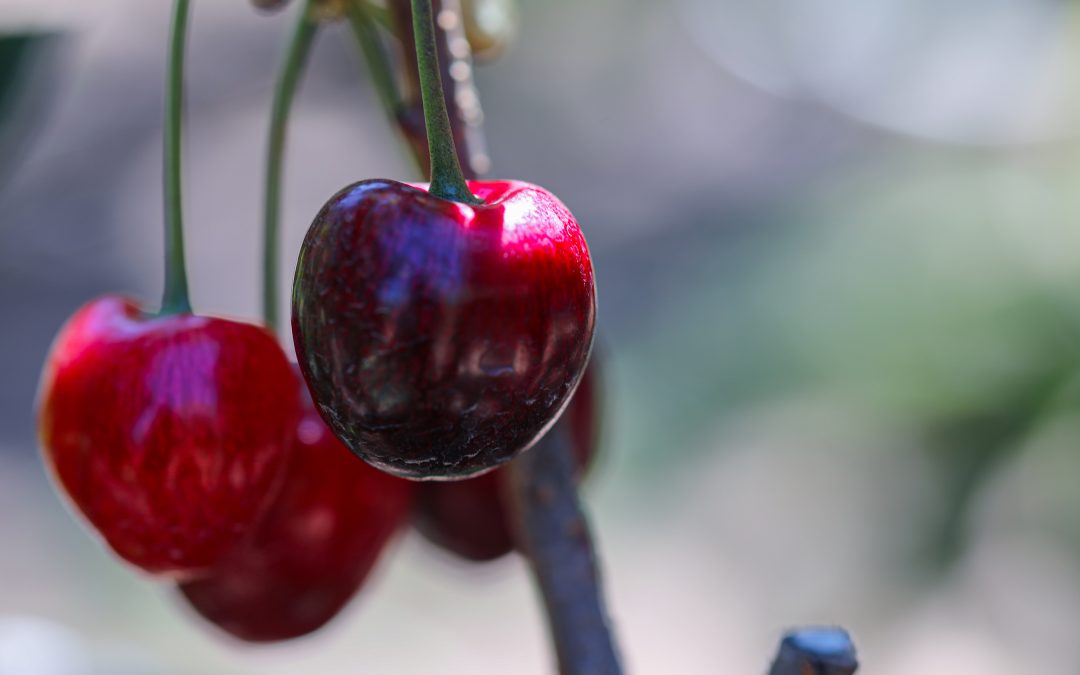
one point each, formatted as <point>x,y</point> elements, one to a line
<point>325,531</point>
<point>168,433</point>
<point>439,339</point>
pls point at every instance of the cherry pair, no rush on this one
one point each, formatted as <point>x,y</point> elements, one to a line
<point>192,447</point>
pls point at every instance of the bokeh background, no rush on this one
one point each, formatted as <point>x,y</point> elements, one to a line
<point>838,251</point>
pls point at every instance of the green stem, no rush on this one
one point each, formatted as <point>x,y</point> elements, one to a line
<point>447,180</point>
<point>381,15</point>
<point>285,91</point>
<point>175,298</point>
<point>400,108</point>
<point>363,23</point>
<point>365,26</point>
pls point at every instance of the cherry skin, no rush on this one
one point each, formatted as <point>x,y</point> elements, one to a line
<point>316,546</point>
<point>168,433</point>
<point>469,518</point>
<point>440,339</point>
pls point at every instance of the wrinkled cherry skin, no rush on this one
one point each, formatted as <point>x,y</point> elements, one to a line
<point>169,434</point>
<point>324,533</point>
<point>440,339</point>
<point>469,518</point>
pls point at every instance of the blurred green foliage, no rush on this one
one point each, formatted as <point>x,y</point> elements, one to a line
<point>15,50</point>
<point>26,83</point>
<point>935,293</point>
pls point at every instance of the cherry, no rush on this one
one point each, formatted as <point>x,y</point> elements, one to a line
<point>309,556</point>
<point>169,433</point>
<point>439,338</point>
<point>468,517</point>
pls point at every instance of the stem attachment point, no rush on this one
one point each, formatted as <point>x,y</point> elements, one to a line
<point>447,179</point>
<point>175,299</point>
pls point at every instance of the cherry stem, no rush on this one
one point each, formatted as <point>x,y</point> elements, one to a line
<point>366,29</point>
<point>380,14</point>
<point>175,298</point>
<point>447,180</point>
<point>554,534</point>
<point>465,113</point>
<point>292,68</point>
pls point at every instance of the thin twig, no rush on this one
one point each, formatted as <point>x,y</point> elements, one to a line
<point>815,651</point>
<point>552,530</point>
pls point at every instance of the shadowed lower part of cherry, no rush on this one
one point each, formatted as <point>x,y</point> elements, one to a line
<point>470,518</point>
<point>324,533</point>
<point>439,338</point>
<point>168,433</point>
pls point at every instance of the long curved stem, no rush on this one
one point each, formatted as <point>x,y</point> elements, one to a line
<point>292,68</point>
<point>447,180</point>
<point>381,15</point>
<point>175,299</point>
<point>366,29</point>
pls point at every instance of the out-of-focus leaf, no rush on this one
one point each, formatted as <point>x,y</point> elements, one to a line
<point>942,295</point>
<point>14,52</point>
<point>969,449</point>
<point>1037,495</point>
<point>27,83</point>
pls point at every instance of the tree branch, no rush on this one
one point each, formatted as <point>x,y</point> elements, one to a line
<point>552,531</point>
<point>815,651</point>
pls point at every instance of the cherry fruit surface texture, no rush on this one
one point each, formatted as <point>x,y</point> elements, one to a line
<point>469,517</point>
<point>169,434</point>
<point>440,339</point>
<point>323,534</point>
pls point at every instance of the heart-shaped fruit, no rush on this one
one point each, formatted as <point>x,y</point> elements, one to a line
<point>169,433</point>
<point>325,531</point>
<point>439,339</point>
<point>468,517</point>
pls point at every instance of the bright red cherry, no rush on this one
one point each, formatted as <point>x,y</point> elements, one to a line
<point>468,517</point>
<point>169,433</point>
<point>309,556</point>
<point>439,339</point>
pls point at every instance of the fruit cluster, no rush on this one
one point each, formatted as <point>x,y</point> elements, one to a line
<point>438,334</point>
<point>195,451</point>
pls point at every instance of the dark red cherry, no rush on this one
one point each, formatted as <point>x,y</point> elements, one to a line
<point>468,517</point>
<point>322,536</point>
<point>170,433</point>
<point>440,339</point>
